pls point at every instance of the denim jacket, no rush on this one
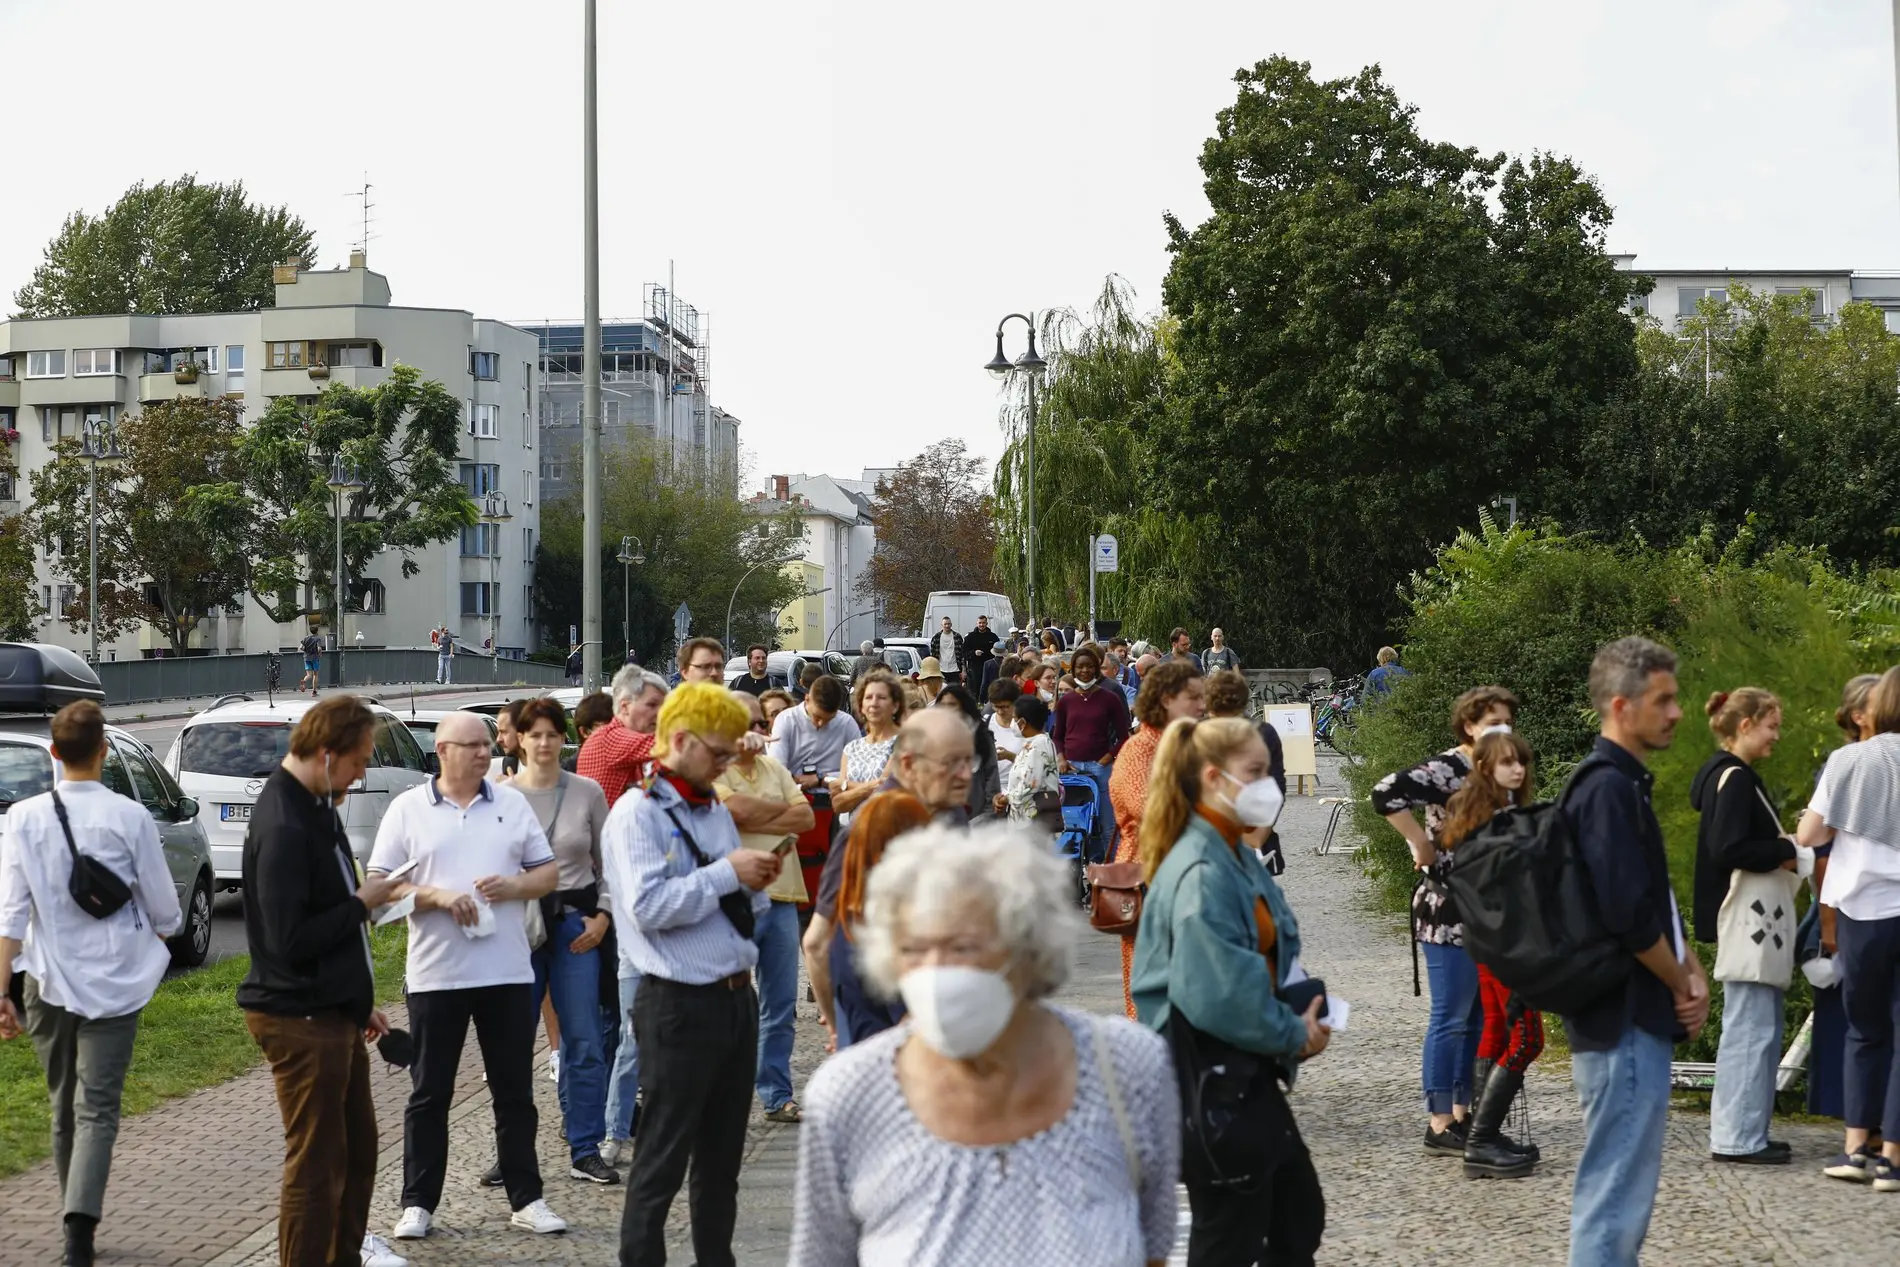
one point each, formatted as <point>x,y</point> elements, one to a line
<point>1198,948</point>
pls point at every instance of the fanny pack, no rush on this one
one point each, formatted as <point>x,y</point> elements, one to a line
<point>94,886</point>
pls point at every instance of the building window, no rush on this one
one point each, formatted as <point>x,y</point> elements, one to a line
<point>527,488</point>
<point>46,599</point>
<point>368,596</point>
<point>527,430</point>
<point>484,421</point>
<point>68,594</point>
<point>360,355</point>
<point>555,469</point>
<point>286,356</point>
<point>485,365</point>
<point>1817,309</point>
<point>527,544</point>
<point>478,598</point>
<point>1687,297</point>
<point>481,477</point>
<point>95,362</point>
<point>6,487</point>
<point>234,365</point>
<point>46,365</point>
<point>6,367</point>
<point>481,541</point>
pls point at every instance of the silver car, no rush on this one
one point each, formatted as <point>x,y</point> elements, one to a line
<point>27,768</point>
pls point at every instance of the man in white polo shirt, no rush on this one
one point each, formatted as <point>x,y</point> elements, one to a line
<point>478,855</point>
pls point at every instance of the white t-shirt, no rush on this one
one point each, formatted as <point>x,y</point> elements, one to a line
<point>1007,742</point>
<point>1863,876</point>
<point>498,834</point>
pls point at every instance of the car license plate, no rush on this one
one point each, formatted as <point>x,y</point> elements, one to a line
<point>234,813</point>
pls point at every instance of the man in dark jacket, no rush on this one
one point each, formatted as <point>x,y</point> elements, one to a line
<point>1621,1044</point>
<point>947,645</point>
<point>310,997</point>
<point>980,644</point>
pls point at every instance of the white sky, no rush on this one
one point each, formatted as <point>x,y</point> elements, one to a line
<point>856,192</point>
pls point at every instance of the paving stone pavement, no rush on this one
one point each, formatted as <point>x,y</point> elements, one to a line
<point>196,1181</point>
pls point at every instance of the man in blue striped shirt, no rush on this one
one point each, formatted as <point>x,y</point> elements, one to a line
<point>686,898</point>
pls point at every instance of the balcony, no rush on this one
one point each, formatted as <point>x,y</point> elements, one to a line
<point>156,387</point>
<point>90,389</point>
<point>9,392</point>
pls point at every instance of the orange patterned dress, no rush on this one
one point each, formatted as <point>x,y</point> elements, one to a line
<point>1128,796</point>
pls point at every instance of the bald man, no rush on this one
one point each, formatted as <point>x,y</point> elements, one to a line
<point>479,857</point>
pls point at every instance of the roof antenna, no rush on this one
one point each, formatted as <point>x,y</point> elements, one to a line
<point>362,195</point>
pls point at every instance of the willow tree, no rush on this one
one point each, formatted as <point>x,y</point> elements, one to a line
<point>1101,399</point>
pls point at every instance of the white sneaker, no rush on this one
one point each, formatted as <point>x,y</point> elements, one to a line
<point>615,1151</point>
<point>376,1253</point>
<point>554,1065</point>
<point>413,1225</point>
<point>536,1217</point>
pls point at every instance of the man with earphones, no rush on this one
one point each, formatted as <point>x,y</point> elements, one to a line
<point>310,997</point>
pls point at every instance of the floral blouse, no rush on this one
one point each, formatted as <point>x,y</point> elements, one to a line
<point>1034,771</point>
<point>1429,784</point>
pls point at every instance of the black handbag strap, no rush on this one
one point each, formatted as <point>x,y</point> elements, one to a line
<point>66,827</point>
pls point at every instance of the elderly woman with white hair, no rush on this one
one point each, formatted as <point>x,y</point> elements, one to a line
<point>973,1131</point>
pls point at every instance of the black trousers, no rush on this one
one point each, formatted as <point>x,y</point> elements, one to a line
<point>505,1019</point>
<point>699,1053</point>
<point>1276,1223</point>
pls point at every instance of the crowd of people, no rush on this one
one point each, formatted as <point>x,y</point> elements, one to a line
<point>655,903</point>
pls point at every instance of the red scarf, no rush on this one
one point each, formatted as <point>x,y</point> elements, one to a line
<point>700,798</point>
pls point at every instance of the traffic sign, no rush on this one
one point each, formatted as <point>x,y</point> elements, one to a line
<point>682,622</point>
<point>1108,554</point>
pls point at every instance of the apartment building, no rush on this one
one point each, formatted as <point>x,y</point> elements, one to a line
<point>655,388</point>
<point>1678,291</point>
<point>839,542</point>
<point>334,326</point>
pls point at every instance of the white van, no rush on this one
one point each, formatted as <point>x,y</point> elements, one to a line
<point>963,607</point>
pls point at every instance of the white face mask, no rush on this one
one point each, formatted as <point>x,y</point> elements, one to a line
<point>1258,803</point>
<point>957,1011</point>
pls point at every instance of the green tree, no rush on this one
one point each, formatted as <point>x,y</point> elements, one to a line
<point>1101,401</point>
<point>176,246</point>
<point>1754,414</point>
<point>18,608</point>
<point>173,520</point>
<point>401,438</point>
<point>935,531</point>
<point>1378,334</point>
<point>699,542</point>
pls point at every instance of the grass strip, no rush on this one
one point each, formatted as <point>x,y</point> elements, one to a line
<point>191,1036</point>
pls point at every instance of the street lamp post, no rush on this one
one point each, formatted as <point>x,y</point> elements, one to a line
<point>632,550</point>
<point>343,479</point>
<point>101,444</point>
<point>495,512</point>
<point>1031,364</point>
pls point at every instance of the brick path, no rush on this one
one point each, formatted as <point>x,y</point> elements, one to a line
<point>195,1181</point>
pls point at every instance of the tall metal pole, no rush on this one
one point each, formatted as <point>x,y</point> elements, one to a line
<point>339,588</point>
<point>1030,536</point>
<point>590,374</point>
<point>92,557</point>
<point>1896,61</point>
<point>1091,633</point>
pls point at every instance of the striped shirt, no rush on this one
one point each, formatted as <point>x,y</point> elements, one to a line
<point>665,905</point>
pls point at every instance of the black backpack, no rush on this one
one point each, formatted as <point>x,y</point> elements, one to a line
<point>1523,893</point>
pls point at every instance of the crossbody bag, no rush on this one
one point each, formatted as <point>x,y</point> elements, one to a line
<point>737,905</point>
<point>94,886</point>
<point>540,918</point>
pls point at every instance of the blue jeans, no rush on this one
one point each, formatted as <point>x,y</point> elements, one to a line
<point>624,1082</point>
<point>1745,1065</point>
<point>1870,994</point>
<point>442,664</point>
<point>1625,1097</point>
<point>1456,1024</point>
<point>574,982</point>
<point>777,937</point>
<point>1104,816</point>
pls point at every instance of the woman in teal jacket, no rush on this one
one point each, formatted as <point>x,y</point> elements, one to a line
<point>1217,944</point>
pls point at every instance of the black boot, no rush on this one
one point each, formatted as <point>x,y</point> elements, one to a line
<point>1480,1074</point>
<point>79,1240</point>
<point>1486,1156</point>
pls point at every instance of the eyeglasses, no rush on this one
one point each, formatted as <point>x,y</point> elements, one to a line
<point>760,725</point>
<point>704,666</point>
<point>462,743</point>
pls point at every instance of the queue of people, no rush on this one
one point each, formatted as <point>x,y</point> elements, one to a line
<point>654,898</point>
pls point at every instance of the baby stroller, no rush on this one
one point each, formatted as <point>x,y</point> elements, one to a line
<point>1079,808</point>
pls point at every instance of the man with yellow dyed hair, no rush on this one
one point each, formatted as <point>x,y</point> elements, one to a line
<point>686,897</point>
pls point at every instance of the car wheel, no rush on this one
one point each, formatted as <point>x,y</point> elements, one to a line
<point>193,943</point>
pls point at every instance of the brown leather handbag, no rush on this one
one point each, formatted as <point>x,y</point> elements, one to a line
<point>1115,891</point>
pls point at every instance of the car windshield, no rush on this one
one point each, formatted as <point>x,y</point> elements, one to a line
<point>235,749</point>
<point>25,770</point>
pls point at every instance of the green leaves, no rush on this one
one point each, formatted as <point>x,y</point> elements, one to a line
<point>173,247</point>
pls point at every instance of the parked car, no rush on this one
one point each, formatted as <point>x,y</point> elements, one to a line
<point>28,767</point>
<point>224,754</point>
<point>782,668</point>
<point>906,655</point>
<point>422,725</point>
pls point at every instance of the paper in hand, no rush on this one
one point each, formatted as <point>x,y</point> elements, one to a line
<point>1337,1010</point>
<point>396,910</point>
<point>484,924</point>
